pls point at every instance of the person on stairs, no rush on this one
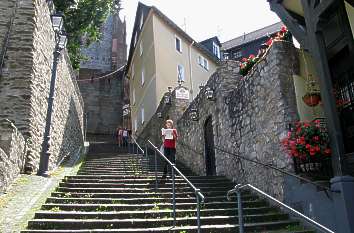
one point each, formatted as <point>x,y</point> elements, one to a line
<point>169,137</point>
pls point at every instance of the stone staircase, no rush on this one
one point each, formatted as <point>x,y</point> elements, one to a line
<point>115,192</point>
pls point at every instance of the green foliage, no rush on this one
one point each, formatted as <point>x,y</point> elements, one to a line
<point>84,19</point>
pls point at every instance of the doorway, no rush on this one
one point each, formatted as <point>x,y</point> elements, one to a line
<point>209,147</point>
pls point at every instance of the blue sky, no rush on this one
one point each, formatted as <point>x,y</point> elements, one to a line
<point>204,19</point>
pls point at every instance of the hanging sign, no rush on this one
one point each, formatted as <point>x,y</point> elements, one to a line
<point>182,93</point>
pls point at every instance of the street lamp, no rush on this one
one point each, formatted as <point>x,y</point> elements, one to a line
<point>194,114</point>
<point>209,93</point>
<point>167,97</point>
<point>57,21</point>
<point>60,44</point>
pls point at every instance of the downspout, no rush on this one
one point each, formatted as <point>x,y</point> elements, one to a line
<point>190,69</point>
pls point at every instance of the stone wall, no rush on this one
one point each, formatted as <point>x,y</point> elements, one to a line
<point>103,97</point>
<point>12,153</point>
<point>151,130</point>
<point>103,104</point>
<point>249,116</point>
<point>24,86</point>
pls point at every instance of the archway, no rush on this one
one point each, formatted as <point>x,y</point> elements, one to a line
<point>209,147</point>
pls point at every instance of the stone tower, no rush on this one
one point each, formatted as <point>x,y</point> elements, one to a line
<point>103,97</point>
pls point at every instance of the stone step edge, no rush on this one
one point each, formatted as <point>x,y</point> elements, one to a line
<point>217,217</point>
<point>151,211</point>
<point>249,225</point>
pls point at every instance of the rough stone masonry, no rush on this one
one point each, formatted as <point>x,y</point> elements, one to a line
<point>249,116</point>
<point>24,84</point>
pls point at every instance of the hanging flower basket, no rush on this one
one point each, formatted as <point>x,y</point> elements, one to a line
<point>312,99</point>
<point>308,144</point>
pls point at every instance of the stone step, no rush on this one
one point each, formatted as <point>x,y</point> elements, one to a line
<point>139,223</point>
<point>139,190</point>
<point>145,176</point>
<point>167,205</point>
<point>251,227</point>
<point>150,213</point>
<point>124,173</point>
<point>106,194</point>
<point>142,181</point>
<point>165,185</point>
<point>149,200</point>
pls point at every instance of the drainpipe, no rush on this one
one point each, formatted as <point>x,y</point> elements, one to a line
<point>190,69</point>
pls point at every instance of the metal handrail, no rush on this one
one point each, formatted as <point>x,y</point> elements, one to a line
<point>137,145</point>
<point>265,165</point>
<point>276,169</point>
<point>199,196</point>
<point>238,189</point>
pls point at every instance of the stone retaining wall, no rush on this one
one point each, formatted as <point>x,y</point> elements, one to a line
<point>12,153</point>
<point>151,130</point>
<point>24,86</point>
<point>250,115</point>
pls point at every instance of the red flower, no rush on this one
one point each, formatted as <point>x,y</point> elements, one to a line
<point>327,151</point>
<point>317,148</point>
<point>269,42</point>
<point>316,138</point>
<point>308,146</point>
<point>312,151</point>
<point>244,59</point>
<point>283,29</point>
<point>251,56</point>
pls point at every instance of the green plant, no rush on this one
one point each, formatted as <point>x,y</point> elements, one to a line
<point>55,209</point>
<point>84,18</point>
<point>307,140</point>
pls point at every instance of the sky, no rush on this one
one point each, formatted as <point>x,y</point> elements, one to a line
<point>203,19</point>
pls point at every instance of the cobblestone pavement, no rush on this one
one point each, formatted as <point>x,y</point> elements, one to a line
<point>28,193</point>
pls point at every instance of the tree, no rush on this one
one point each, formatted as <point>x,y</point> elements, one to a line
<point>83,18</point>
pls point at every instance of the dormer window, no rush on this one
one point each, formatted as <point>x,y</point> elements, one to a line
<point>141,21</point>
<point>216,50</point>
<point>135,38</point>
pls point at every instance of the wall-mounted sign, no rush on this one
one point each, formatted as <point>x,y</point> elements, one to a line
<point>182,93</point>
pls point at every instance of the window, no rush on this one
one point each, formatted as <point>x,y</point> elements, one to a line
<point>205,64</point>
<point>142,115</point>
<point>142,77</point>
<point>135,125</point>
<point>141,20</point>
<point>200,60</point>
<point>178,45</point>
<point>133,96</point>
<point>216,50</point>
<point>135,38</point>
<point>237,54</point>
<point>180,72</point>
<point>141,47</point>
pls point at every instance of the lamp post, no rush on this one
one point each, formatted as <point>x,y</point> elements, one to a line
<point>60,43</point>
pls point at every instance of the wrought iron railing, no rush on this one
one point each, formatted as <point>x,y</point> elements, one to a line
<point>199,196</point>
<point>238,188</point>
<point>268,166</point>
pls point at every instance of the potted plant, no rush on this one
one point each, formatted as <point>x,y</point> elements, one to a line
<point>312,97</point>
<point>308,144</point>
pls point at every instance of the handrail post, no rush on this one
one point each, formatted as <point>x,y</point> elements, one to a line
<point>173,195</point>
<point>198,210</point>
<point>156,183</point>
<point>240,211</point>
